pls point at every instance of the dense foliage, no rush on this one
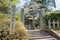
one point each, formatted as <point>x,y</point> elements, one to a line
<point>20,32</point>
<point>5,5</point>
<point>33,9</point>
<point>52,16</point>
<point>46,4</point>
<point>7,16</point>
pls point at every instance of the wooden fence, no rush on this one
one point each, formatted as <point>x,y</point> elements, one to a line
<point>53,25</point>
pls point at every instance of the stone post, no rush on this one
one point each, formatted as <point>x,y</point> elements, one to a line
<point>12,17</point>
<point>41,19</point>
<point>49,24</point>
<point>22,16</point>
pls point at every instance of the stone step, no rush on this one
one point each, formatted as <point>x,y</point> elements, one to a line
<point>37,35</point>
<point>41,37</point>
<point>34,35</point>
<point>34,32</point>
<point>44,39</point>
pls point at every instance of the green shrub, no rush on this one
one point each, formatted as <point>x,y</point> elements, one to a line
<point>4,16</point>
<point>7,16</point>
<point>52,16</point>
<point>20,31</point>
<point>18,18</point>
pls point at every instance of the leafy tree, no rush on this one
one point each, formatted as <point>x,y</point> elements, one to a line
<point>47,4</point>
<point>35,5</point>
<point>5,5</point>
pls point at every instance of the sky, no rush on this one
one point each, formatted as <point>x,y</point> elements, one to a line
<point>57,4</point>
<point>22,2</point>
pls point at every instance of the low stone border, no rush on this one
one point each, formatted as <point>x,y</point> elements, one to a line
<point>53,33</point>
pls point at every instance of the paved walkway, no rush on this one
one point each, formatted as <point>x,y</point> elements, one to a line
<point>39,35</point>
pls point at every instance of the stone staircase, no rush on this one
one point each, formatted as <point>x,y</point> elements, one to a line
<point>39,35</point>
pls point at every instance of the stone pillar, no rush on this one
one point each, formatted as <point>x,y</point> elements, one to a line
<point>33,22</point>
<point>22,16</point>
<point>41,22</point>
<point>12,17</point>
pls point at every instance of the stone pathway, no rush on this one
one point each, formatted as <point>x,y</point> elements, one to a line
<point>39,35</point>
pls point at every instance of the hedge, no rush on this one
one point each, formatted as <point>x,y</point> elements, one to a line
<point>52,16</point>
